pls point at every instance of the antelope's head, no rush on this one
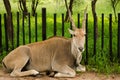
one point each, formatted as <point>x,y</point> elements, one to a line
<point>78,34</point>
<point>78,39</point>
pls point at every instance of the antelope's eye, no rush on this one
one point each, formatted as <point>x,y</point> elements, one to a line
<point>74,35</point>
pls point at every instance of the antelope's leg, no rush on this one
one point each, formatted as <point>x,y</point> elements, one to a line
<point>24,73</point>
<point>64,71</point>
<point>19,65</point>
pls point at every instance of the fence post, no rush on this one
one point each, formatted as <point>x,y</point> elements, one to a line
<point>43,23</point>
<point>118,46</point>
<point>29,27</point>
<point>110,36</point>
<point>0,34</point>
<point>86,62</point>
<point>102,34</point>
<point>18,25</point>
<point>55,26</point>
<point>95,38</point>
<point>12,33</point>
<point>62,24</point>
<point>78,20</point>
<point>6,36</point>
<point>23,30</point>
<point>36,39</point>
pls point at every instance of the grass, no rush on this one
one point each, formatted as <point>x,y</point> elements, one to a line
<point>99,62</point>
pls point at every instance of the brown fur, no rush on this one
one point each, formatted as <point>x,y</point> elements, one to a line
<point>48,55</point>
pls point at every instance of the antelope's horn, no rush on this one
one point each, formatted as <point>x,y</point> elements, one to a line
<point>84,20</point>
<point>70,17</point>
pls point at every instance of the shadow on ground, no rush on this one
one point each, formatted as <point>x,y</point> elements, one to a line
<point>80,76</point>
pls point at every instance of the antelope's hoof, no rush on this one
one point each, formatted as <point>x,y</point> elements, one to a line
<point>81,69</point>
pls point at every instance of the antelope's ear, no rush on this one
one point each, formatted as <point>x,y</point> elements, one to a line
<point>71,31</point>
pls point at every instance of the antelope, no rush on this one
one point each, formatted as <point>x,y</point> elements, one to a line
<point>57,54</point>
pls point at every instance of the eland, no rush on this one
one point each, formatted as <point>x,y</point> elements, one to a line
<point>56,54</point>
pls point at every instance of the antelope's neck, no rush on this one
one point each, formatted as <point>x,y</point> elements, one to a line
<point>74,49</point>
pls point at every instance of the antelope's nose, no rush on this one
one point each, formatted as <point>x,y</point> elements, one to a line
<point>80,49</point>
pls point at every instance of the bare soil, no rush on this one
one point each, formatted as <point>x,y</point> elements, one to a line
<point>80,76</point>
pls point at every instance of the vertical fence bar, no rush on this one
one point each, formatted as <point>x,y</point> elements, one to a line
<point>78,20</point>
<point>23,30</point>
<point>86,62</point>
<point>29,27</point>
<point>55,26</point>
<point>0,34</point>
<point>36,37</point>
<point>18,30</point>
<point>102,34</point>
<point>110,36</point>
<point>43,23</point>
<point>94,51</point>
<point>12,32</point>
<point>12,36</point>
<point>6,36</point>
<point>62,24</point>
<point>118,46</point>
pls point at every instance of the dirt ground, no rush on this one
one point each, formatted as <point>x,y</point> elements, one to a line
<point>80,76</point>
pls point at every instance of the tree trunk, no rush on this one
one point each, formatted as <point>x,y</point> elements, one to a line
<point>23,7</point>
<point>70,7</point>
<point>34,6</point>
<point>93,5</point>
<point>114,10</point>
<point>9,23</point>
<point>113,3</point>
